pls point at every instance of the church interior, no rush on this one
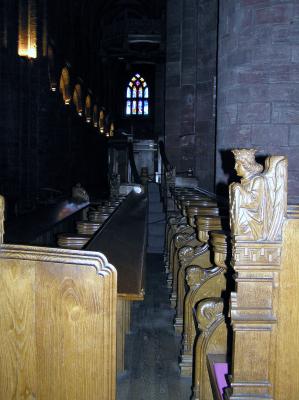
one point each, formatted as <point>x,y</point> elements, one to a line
<point>149,199</point>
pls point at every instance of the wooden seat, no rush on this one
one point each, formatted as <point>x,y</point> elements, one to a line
<point>42,225</point>
<point>87,227</point>
<point>72,241</point>
<point>98,216</point>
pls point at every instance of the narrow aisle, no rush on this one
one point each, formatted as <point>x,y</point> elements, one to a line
<point>152,348</point>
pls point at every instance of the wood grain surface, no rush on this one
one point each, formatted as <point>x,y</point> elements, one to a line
<point>58,316</point>
<point>286,383</point>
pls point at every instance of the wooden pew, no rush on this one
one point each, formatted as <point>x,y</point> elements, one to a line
<point>57,324</point>
<point>264,308</point>
<point>41,226</point>
<point>123,239</point>
<point>204,283</point>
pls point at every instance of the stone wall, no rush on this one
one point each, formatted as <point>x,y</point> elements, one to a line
<point>258,82</point>
<point>190,71</point>
<point>43,143</point>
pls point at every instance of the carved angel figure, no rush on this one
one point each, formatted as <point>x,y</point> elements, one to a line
<point>258,204</point>
<point>2,208</point>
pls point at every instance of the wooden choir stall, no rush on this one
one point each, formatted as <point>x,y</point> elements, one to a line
<point>234,284</point>
<point>65,312</point>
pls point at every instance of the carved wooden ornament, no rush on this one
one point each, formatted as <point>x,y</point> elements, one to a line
<point>258,203</point>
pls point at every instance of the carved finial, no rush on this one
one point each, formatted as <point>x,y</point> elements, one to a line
<point>2,209</point>
<point>258,204</point>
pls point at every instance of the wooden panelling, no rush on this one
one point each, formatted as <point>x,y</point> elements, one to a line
<point>58,324</point>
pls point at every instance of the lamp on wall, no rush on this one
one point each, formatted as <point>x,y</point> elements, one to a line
<point>64,86</point>
<point>27,42</point>
<point>102,122</point>
<point>95,116</point>
<point>88,109</point>
<point>111,131</point>
<point>77,99</point>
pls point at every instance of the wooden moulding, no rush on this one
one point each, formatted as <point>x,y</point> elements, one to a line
<point>185,237</point>
<point>197,255</point>
<point>58,324</point>
<point>203,283</point>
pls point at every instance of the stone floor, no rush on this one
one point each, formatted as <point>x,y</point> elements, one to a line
<point>152,348</point>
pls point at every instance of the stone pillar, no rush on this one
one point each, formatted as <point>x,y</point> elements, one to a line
<point>206,93</point>
<point>190,94</point>
<point>173,81</point>
<point>258,82</point>
<point>188,84</point>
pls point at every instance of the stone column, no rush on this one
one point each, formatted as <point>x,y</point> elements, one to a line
<point>206,92</point>
<point>173,81</point>
<point>258,82</point>
<point>188,84</point>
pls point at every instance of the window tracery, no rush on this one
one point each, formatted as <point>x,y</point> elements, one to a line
<point>137,97</point>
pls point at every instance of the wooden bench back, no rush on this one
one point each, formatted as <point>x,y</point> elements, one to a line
<point>57,324</point>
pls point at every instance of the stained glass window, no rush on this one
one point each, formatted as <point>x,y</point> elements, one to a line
<point>137,89</point>
<point>128,107</point>
<point>145,107</point>
<point>134,107</point>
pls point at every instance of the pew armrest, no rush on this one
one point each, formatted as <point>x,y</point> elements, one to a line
<point>122,238</point>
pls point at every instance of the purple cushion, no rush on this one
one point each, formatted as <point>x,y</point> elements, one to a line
<point>221,370</point>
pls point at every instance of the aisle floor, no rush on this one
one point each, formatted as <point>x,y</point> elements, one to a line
<point>152,347</point>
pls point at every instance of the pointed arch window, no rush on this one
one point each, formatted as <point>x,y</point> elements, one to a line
<point>137,97</point>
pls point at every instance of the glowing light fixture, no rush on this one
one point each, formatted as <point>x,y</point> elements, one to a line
<point>27,42</point>
<point>64,86</point>
<point>77,99</point>
<point>88,109</point>
<point>95,116</point>
<point>101,121</point>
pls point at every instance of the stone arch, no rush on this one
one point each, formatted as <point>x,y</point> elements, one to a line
<point>95,116</point>
<point>102,121</point>
<point>65,86</point>
<point>51,68</point>
<point>88,109</point>
<point>77,99</point>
